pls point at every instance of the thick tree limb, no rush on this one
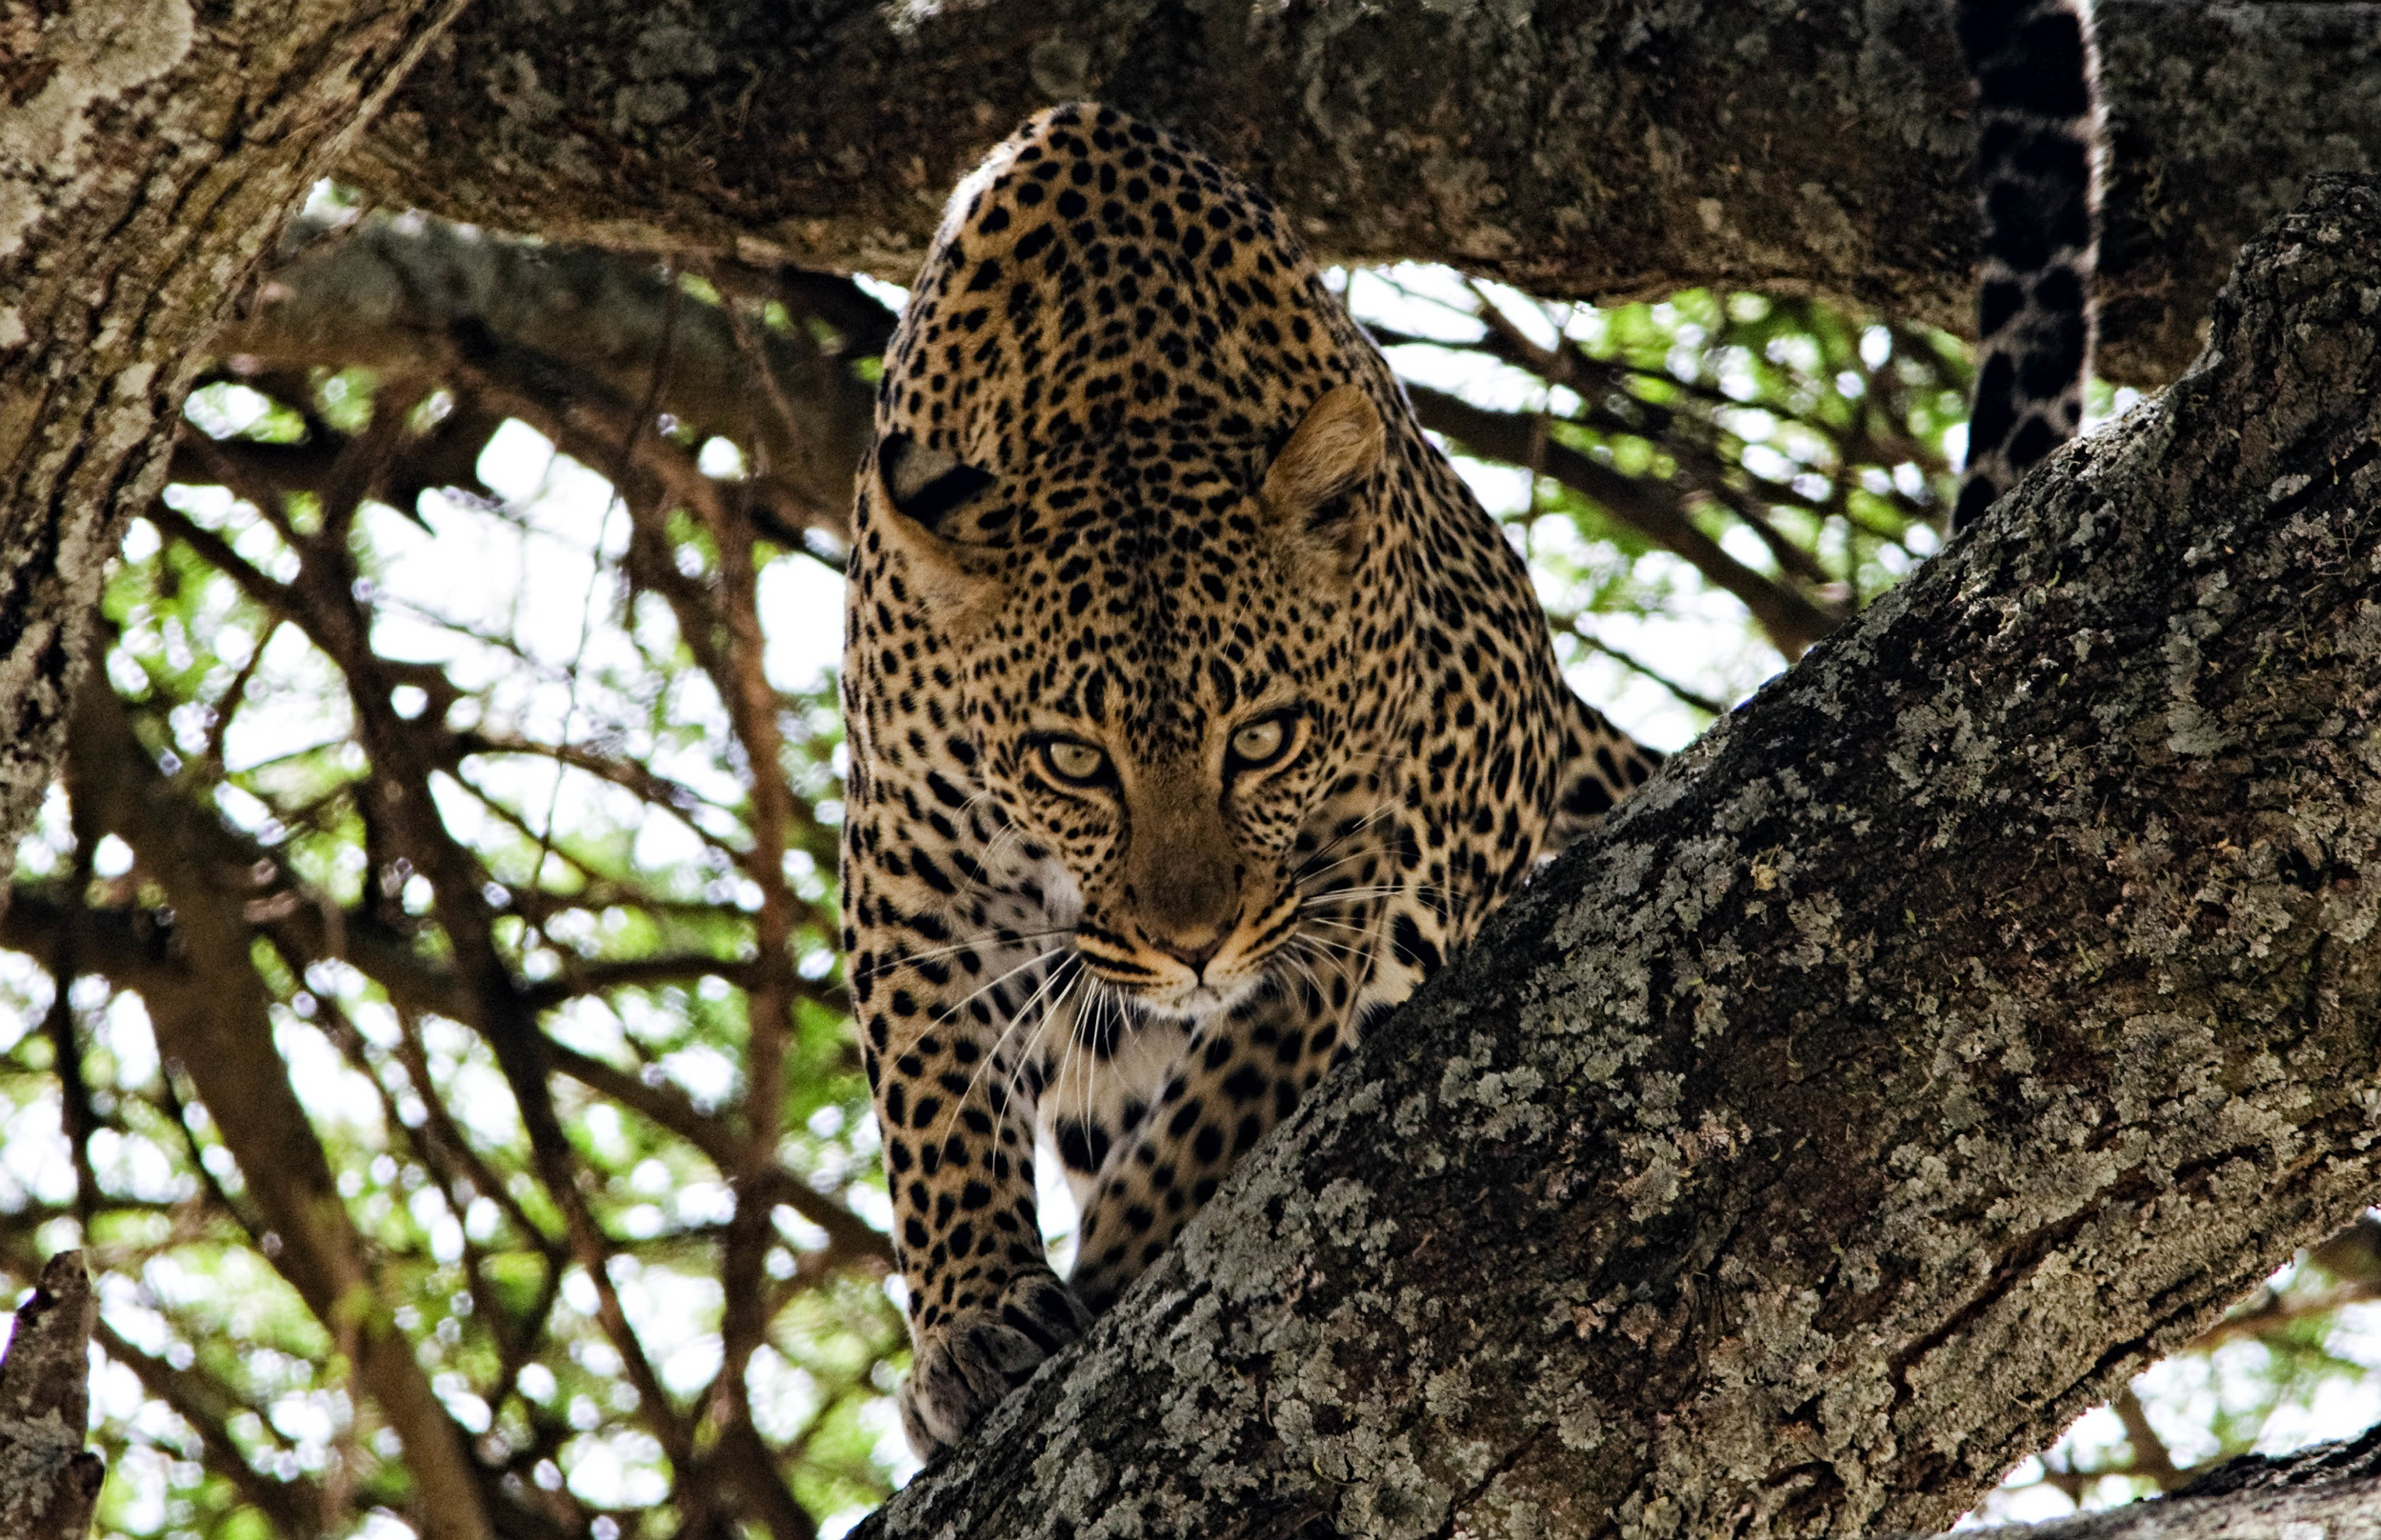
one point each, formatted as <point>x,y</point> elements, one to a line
<point>1959,1025</point>
<point>48,1480</point>
<point>1577,150</point>
<point>414,294</point>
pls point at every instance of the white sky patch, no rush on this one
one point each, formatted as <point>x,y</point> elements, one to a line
<point>801,603</point>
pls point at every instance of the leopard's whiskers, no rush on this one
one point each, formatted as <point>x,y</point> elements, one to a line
<point>987,943</point>
<point>1379,890</point>
<point>1017,1020</point>
<point>1345,834</point>
<point>1010,1027</point>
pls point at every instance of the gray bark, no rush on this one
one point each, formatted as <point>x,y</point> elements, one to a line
<point>148,157</point>
<point>2346,1510</point>
<point>1958,1026</point>
<point>1594,148</point>
<point>48,1480</point>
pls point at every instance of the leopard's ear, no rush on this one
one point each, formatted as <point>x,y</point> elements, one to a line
<point>1314,489</point>
<point>923,484</point>
<point>919,488</point>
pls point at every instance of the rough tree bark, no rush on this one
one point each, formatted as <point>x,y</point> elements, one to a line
<point>2330,1491</point>
<point>1960,1024</point>
<point>48,1480</point>
<point>147,158</point>
<point>1578,148</point>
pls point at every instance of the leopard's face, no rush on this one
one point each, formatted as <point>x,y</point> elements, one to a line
<point>1157,697</point>
<point>1174,827</point>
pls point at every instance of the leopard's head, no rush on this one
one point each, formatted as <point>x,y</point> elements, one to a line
<point>1166,657</point>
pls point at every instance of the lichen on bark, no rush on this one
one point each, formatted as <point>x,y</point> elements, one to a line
<point>48,1482</point>
<point>1961,1023</point>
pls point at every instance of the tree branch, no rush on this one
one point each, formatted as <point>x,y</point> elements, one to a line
<point>2329,1489</point>
<point>1574,149</point>
<point>51,1481</point>
<point>291,1506</point>
<point>1959,1025</point>
<point>1791,620</point>
<point>210,1011</point>
<point>393,293</point>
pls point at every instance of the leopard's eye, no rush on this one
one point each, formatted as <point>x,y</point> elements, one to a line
<point>1260,742</point>
<point>1079,764</point>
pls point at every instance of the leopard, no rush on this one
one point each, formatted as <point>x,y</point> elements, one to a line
<point>1197,712</point>
<point>2040,162</point>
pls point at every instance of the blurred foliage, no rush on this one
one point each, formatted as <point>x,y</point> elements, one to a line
<point>535,675</point>
<point>482,713</point>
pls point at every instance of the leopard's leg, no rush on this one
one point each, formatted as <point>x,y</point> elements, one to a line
<point>1238,1075</point>
<point>950,1001</point>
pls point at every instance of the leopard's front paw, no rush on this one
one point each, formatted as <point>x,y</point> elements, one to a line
<point>964,1364</point>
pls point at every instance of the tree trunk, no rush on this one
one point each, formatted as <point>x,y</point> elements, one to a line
<point>48,1480</point>
<point>1958,1026</point>
<point>147,158</point>
<point>1574,147</point>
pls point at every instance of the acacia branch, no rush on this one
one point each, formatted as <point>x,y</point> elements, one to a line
<point>549,324</point>
<point>1958,1026</point>
<point>1573,149</point>
<point>210,1011</point>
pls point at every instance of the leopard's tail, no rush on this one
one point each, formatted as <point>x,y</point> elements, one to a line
<point>1601,764</point>
<point>2038,135</point>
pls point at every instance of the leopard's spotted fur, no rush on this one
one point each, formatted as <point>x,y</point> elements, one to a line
<point>2038,153</point>
<point>1142,493</point>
